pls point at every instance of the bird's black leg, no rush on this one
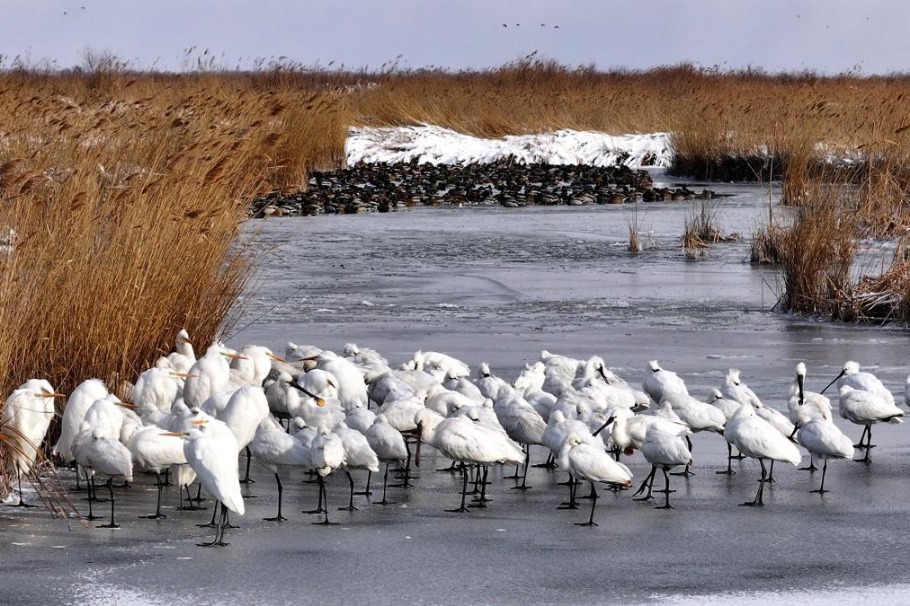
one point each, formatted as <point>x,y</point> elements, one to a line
<point>821,489</point>
<point>868,445</point>
<point>464,491</point>
<point>482,500</point>
<point>770,479</point>
<point>862,437</point>
<point>157,515</point>
<point>406,475</point>
<point>524,475</point>
<point>366,491</point>
<point>811,467</point>
<point>167,477</point>
<point>319,508</point>
<point>590,521</point>
<point>198,498</point>
<point>110,489</point>
<point>761,486</point>
<point>385,481</point>
<point>649,482</point>
<point>729,471</point>
<point>516,475</point>
<point>350,506</point>
<point>246,476</point>
<point>592,494</point>
<point>214,513</point>
<point>666,490</point>
<point>279,517</point>
<point>325,509</point>
<point>686,472</point>
<point>22,503</point>
<point>571,504</point>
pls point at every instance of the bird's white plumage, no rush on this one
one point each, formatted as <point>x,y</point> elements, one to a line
<point>213,456</point>
<point>756,438</point>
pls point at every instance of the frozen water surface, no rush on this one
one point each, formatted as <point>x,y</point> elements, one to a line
<point>499,285</point>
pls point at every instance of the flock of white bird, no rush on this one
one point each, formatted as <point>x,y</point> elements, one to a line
<point>190,418</point>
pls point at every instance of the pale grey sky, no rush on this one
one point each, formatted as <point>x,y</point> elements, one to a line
<point>828,36</point>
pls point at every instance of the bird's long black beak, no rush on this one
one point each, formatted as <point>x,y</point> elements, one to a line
<point>834,381</point>
<point>604,426</point>
<point>603,375</point>
<point>303,389</point>
<point>799,381</point>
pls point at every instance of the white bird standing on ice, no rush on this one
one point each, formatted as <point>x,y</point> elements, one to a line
<point>805,406</point>
<point>209,375</point>
<point>862,381</point>
<point>823,439</point>
<point>698,415</point>
<point>213,456</point>
<point>85,394</point>
<point>389,445</point>
<point>105,455</point>
<point>463,440</point>
<point>155,451</point>
<point>867,408</point>
<point>756,438</point>
<point>243,413</point>
<point>665,450</point>
<point>274,449</point>
<point>26,418</point>
<point>327,454</point>
<point>661,382</point>
<point>591,463</point>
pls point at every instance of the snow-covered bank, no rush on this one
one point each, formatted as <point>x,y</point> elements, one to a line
<point>435,145</point>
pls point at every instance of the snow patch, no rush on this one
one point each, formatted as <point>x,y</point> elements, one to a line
<point>428,144</point>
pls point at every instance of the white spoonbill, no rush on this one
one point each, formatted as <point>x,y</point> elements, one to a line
<point>867,408</point>
<point>586,462</point>
<point>461,439</point>
<point>26,417</point>
<point>665,450</point>
<point>756,438</point>
<point>389,445</point>
<point>327,454</point>
<point>805,406</point>
<point>862,381</point>
<point>823,439</point>
<point>661,382</point>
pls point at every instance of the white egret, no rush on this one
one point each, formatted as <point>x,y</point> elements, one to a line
<point>274,449</point>
<point>243,413</point>
<point>212,454</point>
<point>107,456</point>
<point>155,451</point>
<point>26,418</point>
<point>81,398</point>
